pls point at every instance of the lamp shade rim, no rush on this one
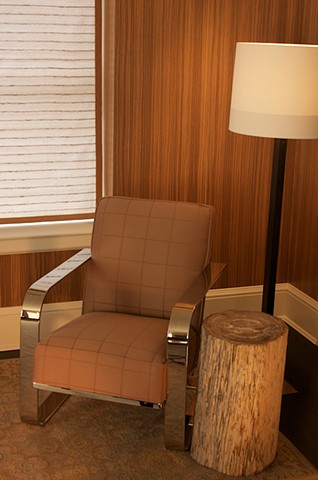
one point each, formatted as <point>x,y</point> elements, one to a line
<point>279,44</point>
<point>274,126</point>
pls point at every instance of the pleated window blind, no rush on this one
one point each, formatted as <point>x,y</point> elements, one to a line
<point>47,108</point>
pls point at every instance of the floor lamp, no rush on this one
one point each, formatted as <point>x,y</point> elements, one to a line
<point>275,95</point>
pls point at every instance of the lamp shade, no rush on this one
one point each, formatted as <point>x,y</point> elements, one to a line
<point>275,90</point>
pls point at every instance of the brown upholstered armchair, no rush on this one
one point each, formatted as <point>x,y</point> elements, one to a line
<point>136,340</point>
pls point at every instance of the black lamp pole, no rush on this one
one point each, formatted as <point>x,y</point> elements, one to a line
<point>273,229</point>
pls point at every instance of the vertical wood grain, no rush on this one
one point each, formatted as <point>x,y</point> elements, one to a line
<point>174,63</point>
<point>18,272</point>
<point>173,73</point>
<point>299,259</point>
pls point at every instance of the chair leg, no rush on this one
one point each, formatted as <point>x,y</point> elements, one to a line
<point>177,431</point>
<point>36,406</point>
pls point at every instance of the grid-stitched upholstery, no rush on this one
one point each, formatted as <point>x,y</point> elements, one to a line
<point>145,253</point>
<point>112,354</point>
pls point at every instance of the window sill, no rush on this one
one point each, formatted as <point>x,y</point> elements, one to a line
<point>45,236</point>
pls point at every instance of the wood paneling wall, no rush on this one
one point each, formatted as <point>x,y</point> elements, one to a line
<point>18,272</point>
<point>173,73</point>
<point>174,62</point>
<point>299,258</point>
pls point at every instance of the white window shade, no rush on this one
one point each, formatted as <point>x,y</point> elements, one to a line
<point>47,108</point>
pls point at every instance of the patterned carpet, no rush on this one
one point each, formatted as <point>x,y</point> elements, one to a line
<point>95,440</point>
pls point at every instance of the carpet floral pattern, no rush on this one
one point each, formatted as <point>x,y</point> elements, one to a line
<point>94,440</point>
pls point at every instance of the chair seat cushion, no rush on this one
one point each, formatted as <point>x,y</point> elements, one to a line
<point>108,353</point>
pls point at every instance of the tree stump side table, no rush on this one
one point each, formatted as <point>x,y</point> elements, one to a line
<point>241,375</point>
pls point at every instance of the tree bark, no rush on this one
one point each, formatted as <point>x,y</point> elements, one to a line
<point>236,423</point>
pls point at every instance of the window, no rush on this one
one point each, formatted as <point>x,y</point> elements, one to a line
<point>49,113</point>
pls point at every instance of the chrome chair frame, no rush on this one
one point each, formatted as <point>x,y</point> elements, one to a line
<point>39,402</point>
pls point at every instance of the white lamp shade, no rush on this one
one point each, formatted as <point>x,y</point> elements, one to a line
<point>275,90</point>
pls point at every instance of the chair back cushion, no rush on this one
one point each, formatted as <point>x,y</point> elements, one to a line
<point>145,254</point>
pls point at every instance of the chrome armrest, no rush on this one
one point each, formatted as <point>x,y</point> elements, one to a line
<point>35,405</point>
<point>185,316</point>
<point>183,311</point>
<point>34,298</point>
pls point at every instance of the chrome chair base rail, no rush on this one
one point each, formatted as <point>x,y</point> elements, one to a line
<point>175,438</point>
<point>45,410</point>
<point>96,396</point>
<point>50,406</point>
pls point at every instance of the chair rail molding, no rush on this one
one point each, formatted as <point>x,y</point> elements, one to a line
<point>297,309</point>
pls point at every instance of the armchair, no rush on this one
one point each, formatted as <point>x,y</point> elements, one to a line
<point>148,272</point>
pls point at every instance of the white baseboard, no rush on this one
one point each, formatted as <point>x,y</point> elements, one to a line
<point>296,308</point>
<point>54,316</point>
